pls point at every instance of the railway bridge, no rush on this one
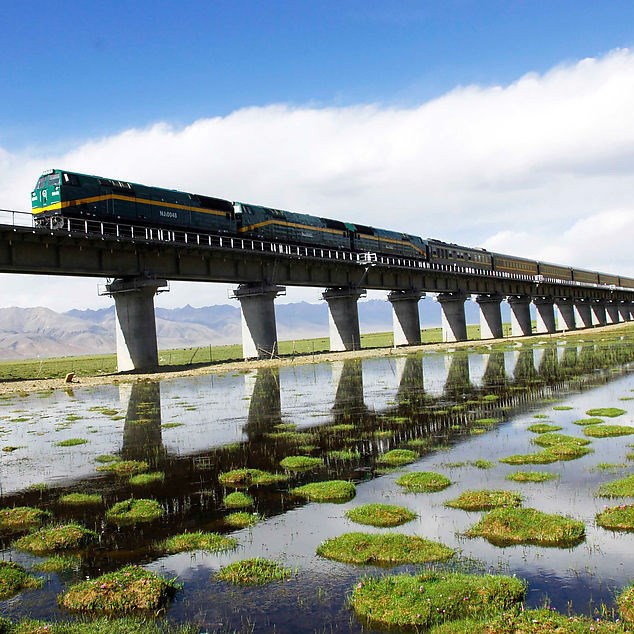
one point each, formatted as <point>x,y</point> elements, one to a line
<point>138,262</point>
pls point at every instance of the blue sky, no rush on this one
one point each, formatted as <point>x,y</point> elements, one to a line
<point>73,70</point>
<point>504,125</point>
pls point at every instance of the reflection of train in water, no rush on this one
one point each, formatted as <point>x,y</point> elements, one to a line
<point>60,194</point>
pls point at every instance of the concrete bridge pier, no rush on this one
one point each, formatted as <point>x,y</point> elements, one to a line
<point>611,312</point>
<point>520,315</point>
<point>598,312</point>
<point>566,310</point>
<point>625,313</point>
<point>545,314</point>
<point>454,323</point>
<point>259,330</point>
<point>490,316</point>
<point>583,314</point>
<point>405,317</point>
<point>135,323</point>
<point>343,318</point>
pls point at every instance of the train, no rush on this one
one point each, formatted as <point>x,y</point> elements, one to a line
<point>61,194</point>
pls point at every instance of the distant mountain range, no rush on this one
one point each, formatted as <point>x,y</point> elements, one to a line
<point>31,333</point>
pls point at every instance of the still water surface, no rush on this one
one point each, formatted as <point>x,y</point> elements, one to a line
<point>194,428</point>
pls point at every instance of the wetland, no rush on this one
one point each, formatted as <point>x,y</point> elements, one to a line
<point>289,498</point>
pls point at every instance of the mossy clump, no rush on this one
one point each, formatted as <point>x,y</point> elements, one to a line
<point>543,428</point>
<point>327,491</point>
<point>58,563</point>
<point>125,468</point>
<point>106,458</point>
<point>506,526</point>
<point>133,511</point>
<point>238,500</point>
<point>423,481</point>
<point>301,463</point>
<point>624,487</point>
<point>256,571</point>
<point>398,457</point>
<point>71,442</point>
<point>485,499</point>
<point>608,431</point>
<point>617,518</point>
<point>245,478</point>
<point>550,439</point>
<point>380,515</point>
<point>64,537</point>
<point>422,601</point>
<point>14,578</point>
<point>540,457</point>
<point>562,408</point>
<point>80,499</point>
<point>210,542</point>
<point>567,451</point>
<point>593,420</point>
<point>125,591</point>
<point>609,412</point>
<point>144,479</point>
<point>242,519</point>
<point>344,454</point>
<point>21,518</point>
<point>531,476</point>
<point>391,549</point>
<point>625,602</point>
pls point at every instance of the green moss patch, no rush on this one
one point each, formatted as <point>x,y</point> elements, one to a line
<point>63,537</point>
<point>609,412</point>
<point>21,518</point>
<point>13,579</point>
<point>608,431</point>
<point>421,601</point>
<point>344,454</point>
<point>543,428</point>
<point>71,442</point>
<point>617,518</point>
<point>253,571</point>
<point>244,478</point>
<point>550,439</point>
<point>484,500</point>
<point>80,499</point>
<point>625,602</point>
<point>624,487</point>
<point>423,481</point>
<point>125,591</point>
<point>328,491</point>
<point>301,463</point>
<point>380,515</point>
<point>242,519</point>
<point>125,468</point>
<point>506,526</point>
<point>541,457</point>
<point>562,408</point>
<point>398,457</point>
<point>143,479</point>
<point>133,511</point>
<point>238,500</point>
<point>593,420</point>
<point>531,476</point>
<point>390,549</point>
<point>210,542</point>
<point>58,563</point>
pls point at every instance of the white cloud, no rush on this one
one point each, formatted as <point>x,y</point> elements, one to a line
<point>543,168</point>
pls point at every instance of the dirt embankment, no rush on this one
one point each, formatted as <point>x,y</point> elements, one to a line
<point>39,385</point>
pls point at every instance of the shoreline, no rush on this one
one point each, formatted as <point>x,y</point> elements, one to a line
<point>39,385</point>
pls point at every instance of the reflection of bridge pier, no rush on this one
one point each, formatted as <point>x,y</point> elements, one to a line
<point>265,407</point>
<point>524,371</point>
<point>411,386</point>
<point>348,377</point>
<point>458,381</point>
<point>495,371</point>
<point>142,437</point>
<point>549,363</point>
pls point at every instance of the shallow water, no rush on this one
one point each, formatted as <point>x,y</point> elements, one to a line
<point>229,421</point>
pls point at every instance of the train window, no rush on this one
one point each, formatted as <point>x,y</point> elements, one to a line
<point>41,182</point>
<point>54,179</point>
<point>70,179</point>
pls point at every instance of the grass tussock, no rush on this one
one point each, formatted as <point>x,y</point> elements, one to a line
<point>301,463</point>
<point>64,537</point>
<point>80,499</point>
<point>543,428</point>
<point>423,481</point>
<point>593,420</point>
<point>507,526</point>
<point>623,487</point>
<point>531,476</point>
<point>608,431</point>
<point>550,439</point>
<point>125,468</point>
<point>133,511</point>
<point>625,602</point>
<point>327,491</point>
<point>58,563</point>
<point>381,515</point>
<point>398,457</point>
<point>145,479</point>
<point>242,519</point>
<point>245,478</point>
<point>608,412</point>
<point>124,625</point>
<point>257,571</point>
<point>21,518</point>
<point>391,549</point>
<point>71,442</point>
<point>344,454</point>
<point>422,601</point>
<point>125,591</point>
<point>238,500</point>
<point>209,542</point>
<point>617,518</point>
<point>14,578</point>
<point>484,500</point>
